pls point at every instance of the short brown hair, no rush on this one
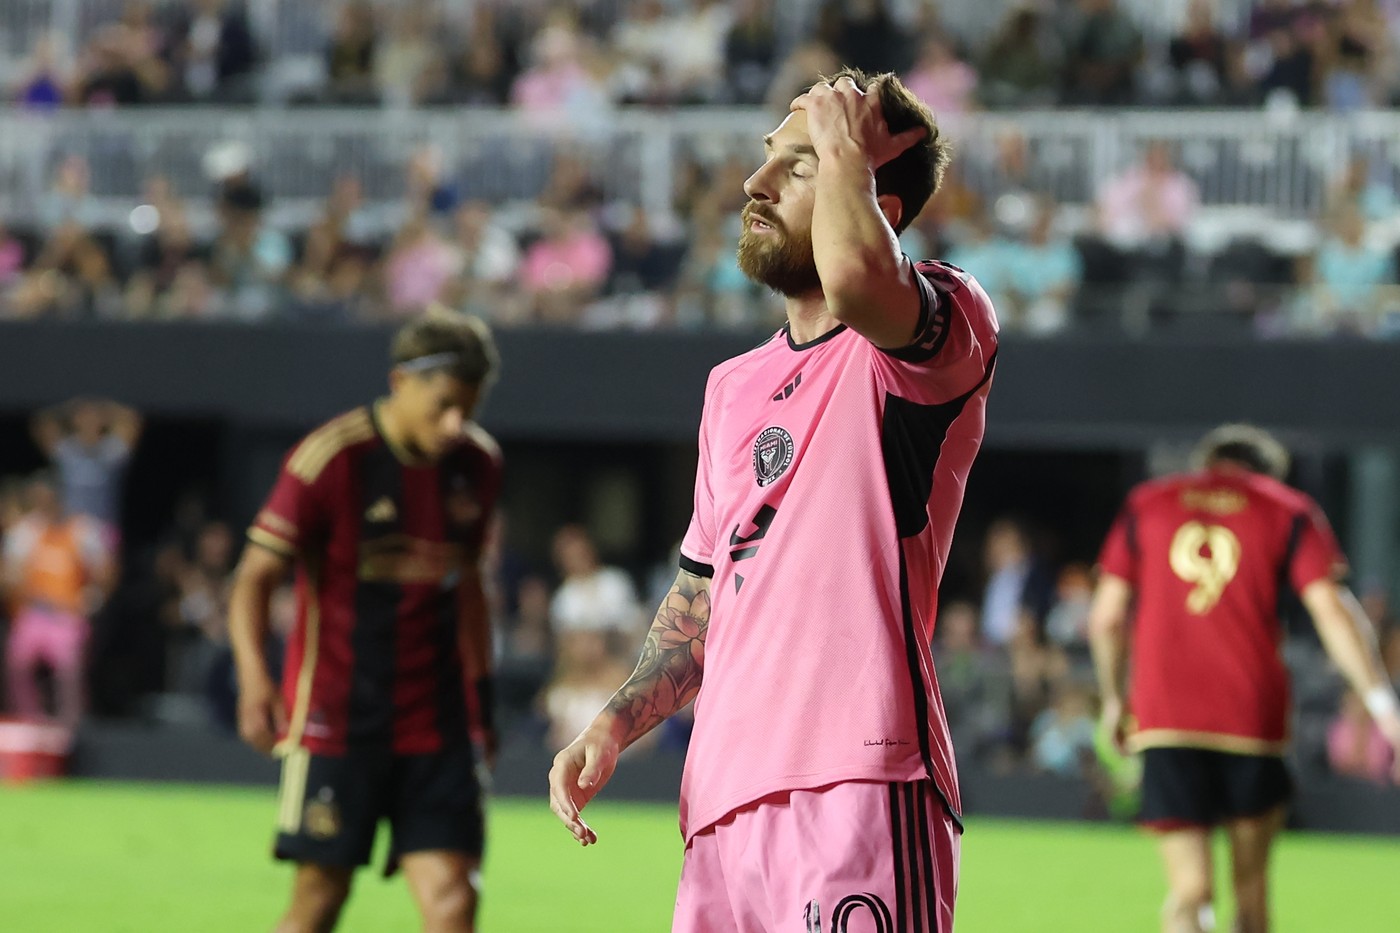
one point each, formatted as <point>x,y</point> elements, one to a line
<point>915,174</point>
<point>1246,445</point>
<point>463,341</point>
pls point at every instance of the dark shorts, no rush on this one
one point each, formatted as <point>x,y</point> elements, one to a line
<point>329,806</point>
<point>1195,787</point>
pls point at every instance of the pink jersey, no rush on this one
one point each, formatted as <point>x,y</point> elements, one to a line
<point>830,477</point>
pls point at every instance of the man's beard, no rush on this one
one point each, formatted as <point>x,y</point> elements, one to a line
<point>780,260</point>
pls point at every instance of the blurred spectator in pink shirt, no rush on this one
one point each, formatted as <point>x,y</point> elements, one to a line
<point>941,80</point>
<point>1355,746</point>
<point>559,72</point>
<point>1150,202</point>
<point>566,267</point>
<point>420,265</point>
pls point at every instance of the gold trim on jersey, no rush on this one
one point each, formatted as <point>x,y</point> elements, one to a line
<point>272,542</point>
<point>321,445</point>
<point>400,558</point>
<point>1210,741</point>
<point>306,675</point>
<point>276,524</point>
<point>291,791</point>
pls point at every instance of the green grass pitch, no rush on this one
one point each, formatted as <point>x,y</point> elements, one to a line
<point>125,858</point>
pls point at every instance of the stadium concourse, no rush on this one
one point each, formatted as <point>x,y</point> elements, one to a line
<point>1185,213</point>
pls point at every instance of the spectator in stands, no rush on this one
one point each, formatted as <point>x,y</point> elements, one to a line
<point>1042,274</point>
<point>972,679</point>
<point>864,34</point>
<point>557,76</point>
<point>1067,623</point>
<point>566,267</point>
<point>350,54</point>
<point>1144,213</point>
<point>69,197</point>
<point>43,80</point>
<point>1062,737</point>
<point>751,52</point>
<point>483,71</point>
<point>249,259</point>
<point>942,80</point>
<point>571,185</point>
<point>1039,672</point>
<point>642,263</point>
<point>203,610</point>
<point>591,597</point>
<point>979,249</point>
<point>418,267</point>
<point>1357,56</point>
<point>642,40</point>
<point>1103,50</point>
<point>1010,579</point>
<point>489,253</point>
<point>585,676</point>
<point>1021,66</point>
<point>57,572</point>
<point>1289,76</point>
<point>527,642</point>
<point>1205,65</point>
<point>1351,273</point>
<point>121,63</point>
<point>794,75</point>
<point>1356,747</point>
<point>407,66</point>
<point>214,52</point>
<point>1364,187</point>
<point>695,64</point>
<point>90,442</point>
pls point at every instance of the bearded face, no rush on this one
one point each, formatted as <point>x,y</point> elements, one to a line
<point>774,255</point>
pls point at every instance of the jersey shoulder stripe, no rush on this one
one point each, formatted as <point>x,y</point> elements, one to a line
<point>321,446</point>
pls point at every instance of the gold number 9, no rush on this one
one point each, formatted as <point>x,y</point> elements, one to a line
<point>1208,556</point>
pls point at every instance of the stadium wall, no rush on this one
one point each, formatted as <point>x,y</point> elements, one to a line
<point>197,755</point>
<point>1073,392</point>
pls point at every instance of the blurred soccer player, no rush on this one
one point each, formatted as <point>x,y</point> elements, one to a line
<point>1206,555</point>
<point>383,511</point>
<point>820,791</point>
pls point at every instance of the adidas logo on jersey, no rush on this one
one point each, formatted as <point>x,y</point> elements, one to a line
<point>789,388</point>
<point>382,511</point>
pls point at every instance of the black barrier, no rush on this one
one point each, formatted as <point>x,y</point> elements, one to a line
<point>137,753</point>
<point>1065,392</point>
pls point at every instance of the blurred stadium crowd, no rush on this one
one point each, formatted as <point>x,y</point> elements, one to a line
<point>97,627</point>
<point>547,212</point>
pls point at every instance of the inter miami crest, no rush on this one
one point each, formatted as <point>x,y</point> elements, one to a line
<point>772,454</point>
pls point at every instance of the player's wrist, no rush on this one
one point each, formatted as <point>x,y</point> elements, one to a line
<point>1381,703</point>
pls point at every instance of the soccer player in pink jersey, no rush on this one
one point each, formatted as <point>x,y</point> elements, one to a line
<point>820,787</point>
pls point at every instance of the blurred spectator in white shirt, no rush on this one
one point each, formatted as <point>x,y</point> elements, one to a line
<point>592,597</point>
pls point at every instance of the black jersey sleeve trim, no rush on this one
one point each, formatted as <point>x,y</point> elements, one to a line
<point>935,316</point>
<point>696,568</point>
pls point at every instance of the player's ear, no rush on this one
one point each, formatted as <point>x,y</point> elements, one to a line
<point>892,208</point>
<point>396,378</point>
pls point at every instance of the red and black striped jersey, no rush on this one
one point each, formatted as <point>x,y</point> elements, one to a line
<point>382,544</point>
<point>1208,555</point>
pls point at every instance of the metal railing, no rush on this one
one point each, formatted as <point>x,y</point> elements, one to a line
<point>1277,169</point>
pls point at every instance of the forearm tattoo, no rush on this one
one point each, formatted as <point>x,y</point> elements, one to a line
<point>668,674</point>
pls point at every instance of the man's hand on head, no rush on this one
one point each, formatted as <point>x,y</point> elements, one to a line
<point>840,117</point>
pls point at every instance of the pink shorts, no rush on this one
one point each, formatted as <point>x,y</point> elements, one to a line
<point>855,857</point>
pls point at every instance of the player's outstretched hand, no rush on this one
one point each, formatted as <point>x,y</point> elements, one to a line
<point>841,114</point>
<point>579,772</point>
<point>1389,724</point>
<point>261,716</point>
